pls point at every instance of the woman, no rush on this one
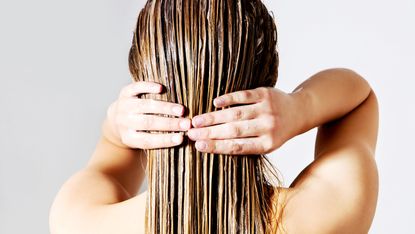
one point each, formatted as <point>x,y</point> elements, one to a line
<point>218,64</point>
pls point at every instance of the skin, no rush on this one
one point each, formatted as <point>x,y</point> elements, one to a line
<point>336,193</point>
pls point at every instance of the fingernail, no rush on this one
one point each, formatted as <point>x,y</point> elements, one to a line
<point>178,110</point>
<point>185,124</point>
<point>198,121</point>
<point>201,145</point>
<point>218,102</point>
<point>177,139</point>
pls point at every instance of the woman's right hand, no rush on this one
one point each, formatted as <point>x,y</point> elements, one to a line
<point>129,116</point>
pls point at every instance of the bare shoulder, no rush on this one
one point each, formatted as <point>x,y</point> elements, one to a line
<point>337,193</point>
<point>107,208</point>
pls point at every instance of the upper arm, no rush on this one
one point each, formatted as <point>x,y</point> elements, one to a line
<point>357,129</point>
<point>337,193</point>
<point>93,202</point>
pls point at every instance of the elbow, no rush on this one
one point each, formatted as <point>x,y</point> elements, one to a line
<point>360,85</point>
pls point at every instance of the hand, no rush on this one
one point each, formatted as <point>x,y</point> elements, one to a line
<point>129,116</point>
<point>267,121</point>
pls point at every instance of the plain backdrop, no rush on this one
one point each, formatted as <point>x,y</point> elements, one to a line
<point>63,62</point>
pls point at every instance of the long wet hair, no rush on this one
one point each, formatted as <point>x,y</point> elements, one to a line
<point>199,50</point>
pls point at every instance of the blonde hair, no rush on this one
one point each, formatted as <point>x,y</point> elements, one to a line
<point>201,49</point>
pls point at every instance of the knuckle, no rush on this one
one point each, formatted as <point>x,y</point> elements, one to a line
<point>148,121</point>
<point>229,98</point>
<point>248,94</point>
<point>265,92</point>
<point>209,119</point>
<point>260,149</point>
<point>237,114</point>
<point>256,94</point>
<point>266,150</point>
<point>144,121</point>
<point>211,146</point>
<point>243,95</point>
<point>252,148</point>
<point>268,107</point>
<point>261,90</point>
<point>268,145</point>
<point>236,148</point>
<point>235,131</point>
<point>207,133</point>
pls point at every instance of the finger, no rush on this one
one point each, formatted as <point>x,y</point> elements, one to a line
<point>225,116</point>
<point>239,97</point>
<point>151,106</point>
<point>140,87</point>
<point>143,140</point>
<point>156,123</point>
<point>240,129</point>
<point>244,146</point>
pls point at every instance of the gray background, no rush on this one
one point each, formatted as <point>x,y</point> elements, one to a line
<point>63,62</point>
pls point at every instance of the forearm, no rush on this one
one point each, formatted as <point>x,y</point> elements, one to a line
<point>96,198</point>
<point>329,95</point>
<point>124,164</point>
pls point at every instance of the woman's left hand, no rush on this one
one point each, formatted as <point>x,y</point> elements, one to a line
<point>269,118</point>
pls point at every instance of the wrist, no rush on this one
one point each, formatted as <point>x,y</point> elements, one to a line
<point>109,133</point>
<point>303,105</point>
